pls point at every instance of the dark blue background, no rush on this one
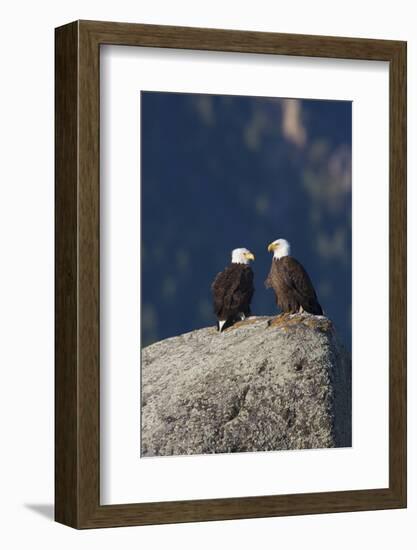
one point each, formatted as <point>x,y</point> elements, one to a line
<point>221,172</point>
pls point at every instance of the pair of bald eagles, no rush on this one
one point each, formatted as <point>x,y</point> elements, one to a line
<point>233,288</point>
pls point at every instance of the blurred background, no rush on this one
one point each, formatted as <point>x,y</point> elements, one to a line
<point>222,172</point>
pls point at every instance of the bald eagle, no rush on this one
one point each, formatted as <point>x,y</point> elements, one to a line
<point>294,291</point>
<point>233,289</point>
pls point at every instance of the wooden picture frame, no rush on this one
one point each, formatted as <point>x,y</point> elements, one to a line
<point>77,374</point>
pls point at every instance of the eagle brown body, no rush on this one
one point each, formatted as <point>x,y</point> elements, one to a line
<point>232,294</point>
<point>292,286</point>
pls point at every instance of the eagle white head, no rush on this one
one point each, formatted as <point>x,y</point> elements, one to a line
<point>280,248</point>
<point>242,256</point>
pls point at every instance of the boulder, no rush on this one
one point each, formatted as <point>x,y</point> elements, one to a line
<point>265,384</point>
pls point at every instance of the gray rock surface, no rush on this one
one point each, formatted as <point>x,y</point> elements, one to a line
<point>268,383</point>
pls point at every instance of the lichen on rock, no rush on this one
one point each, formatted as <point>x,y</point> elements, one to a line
<point>265,384</point>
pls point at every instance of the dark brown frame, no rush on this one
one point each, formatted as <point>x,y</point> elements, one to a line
<point>77,371</point>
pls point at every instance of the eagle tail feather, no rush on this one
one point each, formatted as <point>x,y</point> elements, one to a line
<point>221,325</point>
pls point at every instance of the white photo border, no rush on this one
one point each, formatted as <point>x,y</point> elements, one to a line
<point>125,477</point>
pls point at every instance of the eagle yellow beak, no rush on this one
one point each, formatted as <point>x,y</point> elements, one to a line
<point>271,247</point>
<point>249,256</point>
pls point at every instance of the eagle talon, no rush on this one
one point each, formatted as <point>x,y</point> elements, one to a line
<point>283,315</point>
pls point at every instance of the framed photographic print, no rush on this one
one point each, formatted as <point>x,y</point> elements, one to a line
<point>230,274</point>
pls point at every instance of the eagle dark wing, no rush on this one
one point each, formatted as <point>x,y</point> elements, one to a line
<point>242,295</point>
<point>218,288</point>
<point>232,291</point>
<point>268,281</point>
<point>297,280</point>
